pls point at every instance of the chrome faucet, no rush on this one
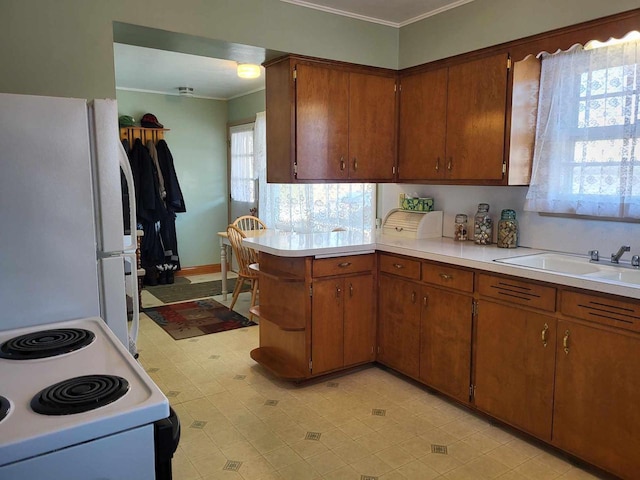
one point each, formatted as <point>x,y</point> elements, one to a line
<point>615,257</point>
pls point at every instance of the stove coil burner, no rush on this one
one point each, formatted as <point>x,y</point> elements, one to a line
<point>79,394</point>
<point>4,407</point>
<point>46,343</point>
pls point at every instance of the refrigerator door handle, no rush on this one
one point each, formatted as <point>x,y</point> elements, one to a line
<point>135,320</point>
<point>128,175</point>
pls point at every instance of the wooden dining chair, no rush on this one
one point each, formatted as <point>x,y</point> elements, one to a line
<point>245,257</point>
<point>249,222</point>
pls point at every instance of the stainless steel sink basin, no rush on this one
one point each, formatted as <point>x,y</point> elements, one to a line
<point>555,262</point>
<point>575,265</point>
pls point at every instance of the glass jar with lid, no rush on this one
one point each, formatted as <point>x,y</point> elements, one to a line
<point>482,225</point>
<point>460,227</point>
<point>508,229</point>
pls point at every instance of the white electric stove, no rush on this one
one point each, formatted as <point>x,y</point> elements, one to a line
<point>50,429</point>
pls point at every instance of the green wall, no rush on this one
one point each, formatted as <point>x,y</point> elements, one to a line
<point>64,47</point>
<point>246,107</point>
<point>483,23</point>
<point>197,141</point>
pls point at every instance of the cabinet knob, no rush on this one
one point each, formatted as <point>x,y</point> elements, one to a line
<point>438,164</point>
<point>425,300</point>
<point>450,163</point>
<point>338,291</point>
<point>413,297</point>
<point>446,276</point>
<point>355,164</point>
<point>342,164</point>
<point>398,265</point>
<point>351,289</point>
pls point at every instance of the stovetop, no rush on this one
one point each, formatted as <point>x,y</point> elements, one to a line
<point>25,433</point>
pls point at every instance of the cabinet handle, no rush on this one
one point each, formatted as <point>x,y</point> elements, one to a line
<point>449,163</point>
<point>565,342</point>
<point>438,164</point>
<point>342,164</point>
<point>351,289</point>
<point>545,332</point>
<point>344,264</point>
<point>355,164</point>
<point>399,229</point>
<point>425,300</point>
<point>413,297</point>
<point>398,265</point>
<point>445,276</point>
<point>338,292</point>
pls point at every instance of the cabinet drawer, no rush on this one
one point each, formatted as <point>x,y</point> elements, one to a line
<point>515,291</point>
<point>327,267</point>
<point>447,276</point>
<point>402,267</point>
<point>601,309</point>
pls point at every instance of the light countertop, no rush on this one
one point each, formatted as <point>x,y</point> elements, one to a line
<point>446,250</point>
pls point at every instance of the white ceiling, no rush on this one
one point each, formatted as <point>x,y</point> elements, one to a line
<point>159,71</point>
<point>395,13</point>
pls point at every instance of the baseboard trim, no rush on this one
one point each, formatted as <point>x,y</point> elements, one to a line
<point>199,270</point>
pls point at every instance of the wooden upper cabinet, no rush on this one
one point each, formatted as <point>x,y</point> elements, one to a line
<point>329,121</point>
<point>476,116</point>
<point>372,121</point>
<point>322,123</point>
<point>452,123</point>
<point>422,131</point>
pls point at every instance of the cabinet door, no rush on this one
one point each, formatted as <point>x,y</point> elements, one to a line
<point>359,327</point>
<point>327,334</point>
<point>399,324</point>
<point>372,127</point>
<point>596,414</point>
<point>476,112</point>
<point>423,115</point>
<point>513,367</point>
<point>445,342</point>
<point>322,128</point>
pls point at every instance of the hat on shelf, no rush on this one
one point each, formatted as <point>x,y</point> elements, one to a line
<point>126,121</point>
<point>149,120</point>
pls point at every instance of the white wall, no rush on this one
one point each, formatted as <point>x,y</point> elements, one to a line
<point>573,235</point>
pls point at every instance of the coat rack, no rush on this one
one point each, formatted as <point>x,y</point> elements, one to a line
<point>144,134</point>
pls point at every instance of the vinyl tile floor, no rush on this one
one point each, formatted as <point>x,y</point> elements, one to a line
<point>240,423</point>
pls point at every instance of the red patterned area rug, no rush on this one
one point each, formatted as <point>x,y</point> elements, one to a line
<point>198,317</point>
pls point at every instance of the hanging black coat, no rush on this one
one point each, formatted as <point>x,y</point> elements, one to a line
<point>174,199</point>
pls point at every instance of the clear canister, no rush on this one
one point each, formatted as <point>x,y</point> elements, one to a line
<point>482,225</point>
<point>460,227</point>
<point>508,229</point>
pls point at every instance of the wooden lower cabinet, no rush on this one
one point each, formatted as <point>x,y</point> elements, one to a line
<point>597,392</point>
<point>343,328</point>
<point>445,341</point>
<point>399,324</point>
<point>514,354</point>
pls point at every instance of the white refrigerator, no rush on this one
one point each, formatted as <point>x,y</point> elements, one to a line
<point>63,248</point>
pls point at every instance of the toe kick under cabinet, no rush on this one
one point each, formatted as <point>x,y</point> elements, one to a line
<point>316,315</point>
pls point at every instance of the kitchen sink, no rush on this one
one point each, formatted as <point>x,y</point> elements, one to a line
<point>555,262</point>
<point>575,265</point>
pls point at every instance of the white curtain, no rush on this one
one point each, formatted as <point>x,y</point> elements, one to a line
<point>586,158</point>
<point>243,171</point>
<point>311,207</point>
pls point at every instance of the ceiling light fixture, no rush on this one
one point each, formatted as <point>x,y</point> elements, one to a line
<point>248,70</point>
<point>185,91</point>
<point>632,36</point>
